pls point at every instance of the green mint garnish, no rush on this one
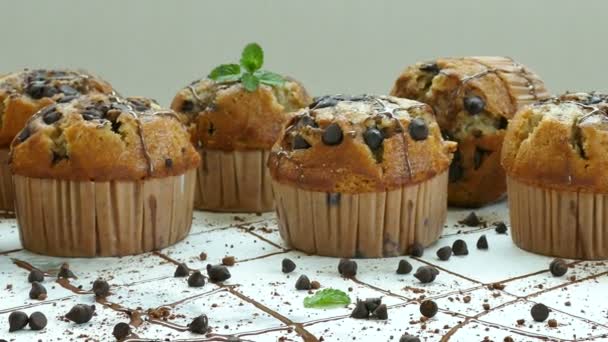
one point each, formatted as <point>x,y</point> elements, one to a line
<point>248,72</point>
<point>327,298</point>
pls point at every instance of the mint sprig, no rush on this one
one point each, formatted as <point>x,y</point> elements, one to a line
<point>327,298</point>
<point>249,71</point>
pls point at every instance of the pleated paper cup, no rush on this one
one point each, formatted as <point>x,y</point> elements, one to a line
<point>87,219</point>
<point>367,225</point>
<point>236,181</point>
<point>7,191</point>
<point>558,223</point>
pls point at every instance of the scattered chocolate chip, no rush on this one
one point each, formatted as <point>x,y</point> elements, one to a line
<point>428,308</point>
<point>373,138</point>
<point>404,267</point>
<point>35,275</point>
<point>347,268</point>
<point>539,312</point>
<point>466,299</point>
<point>416,249</point>
<point>35,89</point>
<point>333,198</point>
<point>50,115</point>
<point>37,321</point>
<point>65,272</point>
<point>101,288</point>
<point>323,102</point>
<point>202,256</point>
<point>444,253</point>
<point>501,228</point>
<point>187,106</point>
<point>372,303</point>
<point>332,135</point>
<point>478,156</point>
<point>287,265</point>
<point>228,261</point>
<point>558,267</point>
<point>49,91</point>
<point>432,68</point>
<point>218,273</point>
<point>482,243</point>
<point>303,283</point>
<point>24,134</point>
<point>181,271</point>
<point>426,274</point>
<point>299,143</point>
<point>418,129</point>
<point>81,313</point>
<point>486,306</point>
<point>37,291</point>
<point>471,220</point>
<point>121,330</point>
<point>552,323</point>
<point>315,285</point>
<point>67,90</point>
<point>473,104</point>
<point>521,321</point>
<point>196,279</point>
<point>199,325</point>
<point>17,320</point>
<point>381,312</point>
<point>459,247</point>
<point>408,338</point>
<point>360,311</point>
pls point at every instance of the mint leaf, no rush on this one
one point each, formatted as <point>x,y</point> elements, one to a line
<point>269,78</point>
<point>252,57</point>
<point>327,298</point>
<point>250,82</point>
<point>225,70</point>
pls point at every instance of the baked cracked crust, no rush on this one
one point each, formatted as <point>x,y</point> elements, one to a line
<point>473,98</point>
<point>225,116</point>
<point>560,143</point>
<point>357,144</point>
<point>24,93</point>
<point>101,137</point>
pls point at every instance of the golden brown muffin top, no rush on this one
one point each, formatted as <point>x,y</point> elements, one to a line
<point>226,116</point>
<point>24,93</point>
<point>101,137</point>
<point>560,143</point>
<point>357,144</point>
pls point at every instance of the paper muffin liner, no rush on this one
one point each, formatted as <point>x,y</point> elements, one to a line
<point>87,219</point>
<point>367,225</point>
<point>7,190</point>
<point>236,181</point>
<point>558,223</point>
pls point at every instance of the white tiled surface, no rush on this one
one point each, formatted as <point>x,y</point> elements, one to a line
<point>260,303</point>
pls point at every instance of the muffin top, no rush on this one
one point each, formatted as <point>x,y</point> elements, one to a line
<point>100,137</point>
<point>356,144</point>
<point>24,93</point>
<point>560,143</point>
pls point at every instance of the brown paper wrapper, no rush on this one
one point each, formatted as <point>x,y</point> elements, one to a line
<point>558,223</point>
<point>236,181</point>
<point>87,219</point>
<point>368,225</point>
<point>7,191</point>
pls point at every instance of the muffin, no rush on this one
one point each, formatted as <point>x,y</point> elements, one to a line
<point>234,130</point>
<point>363,176</point>
<point>473,98</point>
<point>103,176</point>
<point>555,155</point>
<point>24,93</point>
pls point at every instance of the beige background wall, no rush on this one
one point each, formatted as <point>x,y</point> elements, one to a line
<point>153,47</point>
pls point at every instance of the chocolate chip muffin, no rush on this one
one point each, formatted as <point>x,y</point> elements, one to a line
<point>361,176</point>
<point>473,98</point>
<point>24,93</point>
<point>103,176</point>
<point>555,155</point>
<point>234,130</point>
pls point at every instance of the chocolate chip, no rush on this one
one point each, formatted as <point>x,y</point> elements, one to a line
<point>459,247</point>
<point>418,129</point>
<point>501,228</point>
<point>168,163</point>
<point>37,321</point>
<point>456,171</point>
<point>539,312</point>
<point>196,279</point>
<point>17,320</point>
<point>332,135</point>
<point>307,120</point>
<point>381,312</point>
<point>404,267</point>
<point>508,339</point>
<point>139,105</point>
<point>101,288</point>
<point>503,123</point>
<point>287,265</point>
<point>471,220</point>
<point>65,272</point>
<point>228,261</point>
<point>426,274</point>
<point>360,311</point>
<point>91,114</point>
<point>49,91</point>
<point>51,117</point>
<point>358,98</point>
<point>24,134</point>
<point>199,325</point>
<point>218,273</point>
<point>37,291</point>
<point>67,90</point>
<point>299,143</point>
<point>182,271</point>
<point>473,104</point>
<point>121,331</point>
<point>409,338</point>
<point>373,138</point>
<point>303,283</point>
<point>35,275</point>
<point>552,323</point>
<point>444,253</point>
<point>347,268</point>
<point>428,308</point>
<point>482,243</point>
<point>323,102</point>
<point>202,256</point>
<point>187,106</point>
<point>35,89</point>
<point>416,249</point>
<point>333,198</point>
<point>315,285</point>
<point>478,157</point>
<point>594,99</point>
<point>372,303</point>
<point>558,267</point>
<point>81,313</point>
<point>432,68</point>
